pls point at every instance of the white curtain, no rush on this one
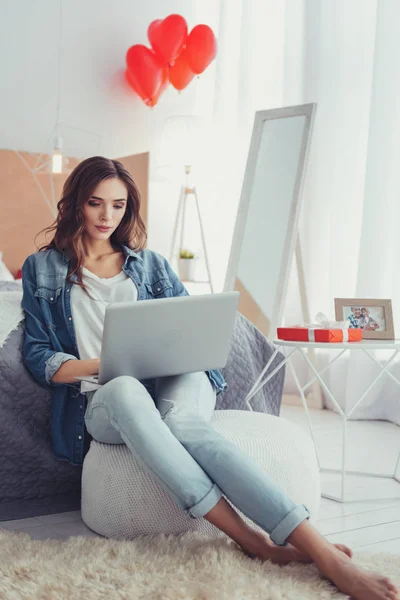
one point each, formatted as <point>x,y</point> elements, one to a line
<point>351,203</point>
<point>344,56</point>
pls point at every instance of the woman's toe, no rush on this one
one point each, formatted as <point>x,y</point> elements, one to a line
<point>345,549</point>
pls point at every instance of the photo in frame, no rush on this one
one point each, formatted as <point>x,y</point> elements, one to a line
<point>373,315</point>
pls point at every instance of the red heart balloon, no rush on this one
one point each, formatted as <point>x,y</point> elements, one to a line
<point>201,48</point>
<point>151,30</point>
<point>180,74</point>
<point>148,101</point>
<point>153,101</point>
<point>168,38</point>
<point>130,81</point>
<point>146,74</point>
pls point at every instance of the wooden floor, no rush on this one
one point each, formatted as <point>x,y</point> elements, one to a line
<point>371,525</point>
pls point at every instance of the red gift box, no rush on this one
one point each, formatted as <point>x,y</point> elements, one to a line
<point>312,334</point>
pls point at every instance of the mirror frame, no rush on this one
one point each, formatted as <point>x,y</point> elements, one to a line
<point>308,111</point>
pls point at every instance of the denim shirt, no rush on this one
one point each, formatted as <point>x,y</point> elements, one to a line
<point>50,336</point>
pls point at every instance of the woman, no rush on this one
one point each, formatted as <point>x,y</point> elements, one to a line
<point>97,256</point>
<point>366,322</point>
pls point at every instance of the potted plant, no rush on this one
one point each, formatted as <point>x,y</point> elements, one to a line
<point>187,264</point>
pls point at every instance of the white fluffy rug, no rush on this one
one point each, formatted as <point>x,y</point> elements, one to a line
<point>158,567</point>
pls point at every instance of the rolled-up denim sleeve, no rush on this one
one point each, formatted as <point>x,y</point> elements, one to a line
<point>54,363</point>
<point>39,356</point>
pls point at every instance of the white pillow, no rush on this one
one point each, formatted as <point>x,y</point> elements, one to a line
<point>5,274</point>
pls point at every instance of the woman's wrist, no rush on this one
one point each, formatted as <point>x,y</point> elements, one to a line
<point>94,366</point>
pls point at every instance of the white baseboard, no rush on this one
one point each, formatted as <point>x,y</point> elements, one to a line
<point>295,400</point>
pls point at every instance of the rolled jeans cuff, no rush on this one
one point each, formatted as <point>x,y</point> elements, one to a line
<point>207,503</point>
<point>283,530</point>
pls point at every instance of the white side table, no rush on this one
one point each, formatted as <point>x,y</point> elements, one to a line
<point>289,349</point>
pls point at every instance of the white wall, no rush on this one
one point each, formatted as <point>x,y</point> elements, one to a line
<point>94,96</point>
<point>258,43</point>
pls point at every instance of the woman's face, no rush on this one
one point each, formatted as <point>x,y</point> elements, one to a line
<point>105,208</point>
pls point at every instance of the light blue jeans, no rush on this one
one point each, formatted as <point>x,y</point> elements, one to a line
<point>170,434</point>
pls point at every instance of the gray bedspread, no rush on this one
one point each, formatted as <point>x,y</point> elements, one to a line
<point>249,353</point>
<point>32,482</point>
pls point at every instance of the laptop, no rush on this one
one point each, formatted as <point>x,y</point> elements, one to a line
<point>168,336</point>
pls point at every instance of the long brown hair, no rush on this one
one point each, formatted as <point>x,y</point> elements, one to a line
<point>70,222</point>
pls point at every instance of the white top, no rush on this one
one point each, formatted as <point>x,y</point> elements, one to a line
<point>361,345</point>
<point>88,315</point>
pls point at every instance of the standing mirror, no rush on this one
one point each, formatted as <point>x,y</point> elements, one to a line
<point>266,226</point>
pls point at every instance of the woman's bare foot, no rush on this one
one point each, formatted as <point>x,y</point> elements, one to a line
<point>356,582</point>
<point>259,546</point>
<point>338,568</point>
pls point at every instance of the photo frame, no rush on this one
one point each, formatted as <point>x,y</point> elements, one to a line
<point>373,315</point>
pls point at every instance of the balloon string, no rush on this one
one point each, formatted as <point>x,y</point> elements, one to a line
<point>59,66</point>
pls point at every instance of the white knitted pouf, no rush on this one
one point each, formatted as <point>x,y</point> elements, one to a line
<point>121,500</point>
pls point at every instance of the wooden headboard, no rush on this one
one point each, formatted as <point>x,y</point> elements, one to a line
<point>24,211</point>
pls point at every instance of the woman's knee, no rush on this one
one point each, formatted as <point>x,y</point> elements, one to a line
<point>175,386</point>
<point>193,396</point>
<point>124,384</point>
<point>125,389</point>
<point>115,403</point>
